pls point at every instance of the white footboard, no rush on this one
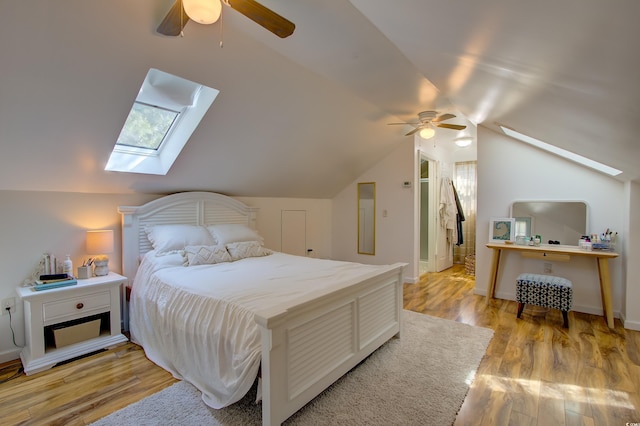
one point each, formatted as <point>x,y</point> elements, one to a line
<point>307,347</point>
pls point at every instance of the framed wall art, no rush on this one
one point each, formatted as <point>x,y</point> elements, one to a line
<point>502,229</point>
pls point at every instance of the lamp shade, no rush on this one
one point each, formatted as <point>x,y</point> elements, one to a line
<point>203,11</point>
<point>427,133</point>
<point>100,242</point>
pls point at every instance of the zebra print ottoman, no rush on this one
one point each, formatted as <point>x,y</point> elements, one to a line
<point>546,291</point>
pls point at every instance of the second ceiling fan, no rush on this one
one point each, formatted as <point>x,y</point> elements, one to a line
<point>428,120</point>
<point>208,12</point>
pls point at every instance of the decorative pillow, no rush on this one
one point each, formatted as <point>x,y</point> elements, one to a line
<point>226,233</point>
<point>204,255</point>
<point>244,249</point>
<point>167,239</point>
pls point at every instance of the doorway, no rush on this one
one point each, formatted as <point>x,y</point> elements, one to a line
<point>428,218</point>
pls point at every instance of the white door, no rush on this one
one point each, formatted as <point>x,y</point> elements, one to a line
<point>294,231</point>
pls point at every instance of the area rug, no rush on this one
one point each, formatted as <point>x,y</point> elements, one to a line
<point>420,379</point>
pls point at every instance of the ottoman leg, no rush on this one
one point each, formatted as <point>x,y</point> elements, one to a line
<point>565,315</point>
<point>520,308</point>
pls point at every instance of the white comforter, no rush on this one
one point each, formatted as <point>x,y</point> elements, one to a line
<point>198,322</point>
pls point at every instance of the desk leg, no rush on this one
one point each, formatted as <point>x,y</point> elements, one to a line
<point>605,288</point>
<point>495,263</point>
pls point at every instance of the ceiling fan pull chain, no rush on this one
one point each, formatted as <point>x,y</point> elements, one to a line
<point>221,25</point>
<point>181,20</point>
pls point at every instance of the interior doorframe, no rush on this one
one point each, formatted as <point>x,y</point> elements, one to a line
<point>432,214</point>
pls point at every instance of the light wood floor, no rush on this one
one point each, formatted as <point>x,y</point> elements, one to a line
<point>534,373</point>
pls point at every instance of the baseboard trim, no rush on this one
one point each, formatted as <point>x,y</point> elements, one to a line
<point>10,355</point>
<point>408,280</point>
<point>629,325</point>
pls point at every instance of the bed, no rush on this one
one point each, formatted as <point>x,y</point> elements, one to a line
<point>299,323</point>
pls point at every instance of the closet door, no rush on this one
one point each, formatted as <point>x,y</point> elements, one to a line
<point>294,231</point>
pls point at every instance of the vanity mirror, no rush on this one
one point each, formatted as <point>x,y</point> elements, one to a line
<point>561,221</point>
<point>367,218</point>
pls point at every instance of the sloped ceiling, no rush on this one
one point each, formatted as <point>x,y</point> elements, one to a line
<point>304,116</point>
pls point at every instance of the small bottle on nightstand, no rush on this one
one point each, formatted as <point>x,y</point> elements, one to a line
<point>67,266</point>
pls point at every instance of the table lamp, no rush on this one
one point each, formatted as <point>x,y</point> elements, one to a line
<point>100,243</point>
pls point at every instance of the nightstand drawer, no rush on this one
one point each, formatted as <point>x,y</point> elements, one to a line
<point>75,307</point>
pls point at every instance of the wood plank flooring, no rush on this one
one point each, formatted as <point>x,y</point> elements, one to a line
<point>534,373</point>
<point>82,391</point>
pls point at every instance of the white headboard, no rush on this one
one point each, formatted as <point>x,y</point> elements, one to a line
<point>192,208</point>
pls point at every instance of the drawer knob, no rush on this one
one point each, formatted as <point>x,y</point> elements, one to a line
<point>80,305</point>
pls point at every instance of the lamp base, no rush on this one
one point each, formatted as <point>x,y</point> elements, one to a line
<point>101,268</point>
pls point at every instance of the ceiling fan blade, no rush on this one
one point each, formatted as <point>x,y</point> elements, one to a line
<point>402,124</point>
<point>172,24</point>
<point>443,117</point>
<point>264,17</point>
<point>451,126</point>
<point>413,131</point>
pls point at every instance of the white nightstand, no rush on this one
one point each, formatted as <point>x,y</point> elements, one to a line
<point>47,308</point>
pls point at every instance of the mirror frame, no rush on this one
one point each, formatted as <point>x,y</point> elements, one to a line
<point>366,228</point>
<point>532,220</point>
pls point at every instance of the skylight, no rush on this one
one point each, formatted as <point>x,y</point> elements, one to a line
<point>561,152</point>
<point>163,117</point>
<point>146,126</point>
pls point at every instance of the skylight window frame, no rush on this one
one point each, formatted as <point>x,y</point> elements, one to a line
<point>173,93</point>
<point>576,158</point>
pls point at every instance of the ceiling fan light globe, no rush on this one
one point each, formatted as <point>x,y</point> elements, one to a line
<point>463,142</point>
<point>427,133</point>
<point>203,11</point>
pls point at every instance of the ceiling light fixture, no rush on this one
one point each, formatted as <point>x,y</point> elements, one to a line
<point>203,11</point>
<point>427,133</point>
<point>464,141</point>
<point>561,152</point>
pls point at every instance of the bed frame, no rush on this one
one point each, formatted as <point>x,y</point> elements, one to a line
<point>306,345</point>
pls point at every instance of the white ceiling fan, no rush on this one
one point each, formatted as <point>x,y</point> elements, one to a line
<point>428,121</point>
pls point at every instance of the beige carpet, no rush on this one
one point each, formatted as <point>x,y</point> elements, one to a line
<point>419,379</point>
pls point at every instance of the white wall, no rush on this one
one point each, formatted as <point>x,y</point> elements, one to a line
<point>394,233</point>
<point>33,223</point>
<point>509,170</point>
<point>397,234</point>
<point>631,307</point>
<point>318,221</point>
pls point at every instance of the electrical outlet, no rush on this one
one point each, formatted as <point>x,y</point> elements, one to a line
<point>10,303</point>
<point>547,268</point>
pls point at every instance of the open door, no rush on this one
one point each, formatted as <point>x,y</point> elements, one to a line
<point>428,214</point>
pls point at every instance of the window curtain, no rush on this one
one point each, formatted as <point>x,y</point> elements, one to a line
<point>466,182</point>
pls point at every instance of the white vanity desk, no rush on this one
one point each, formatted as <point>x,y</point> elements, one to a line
<point>558,253</point>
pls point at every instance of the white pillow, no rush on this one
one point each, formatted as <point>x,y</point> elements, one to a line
<point>165,261</point>
<point>244,249</point>
<point>226,233</point>
<point>205,255</point>
<point>168,239</point>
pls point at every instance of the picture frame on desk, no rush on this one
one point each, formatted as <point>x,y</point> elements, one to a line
<point>502,229</point>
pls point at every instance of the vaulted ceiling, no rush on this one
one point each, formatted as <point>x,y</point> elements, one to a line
<point>304,116</point>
